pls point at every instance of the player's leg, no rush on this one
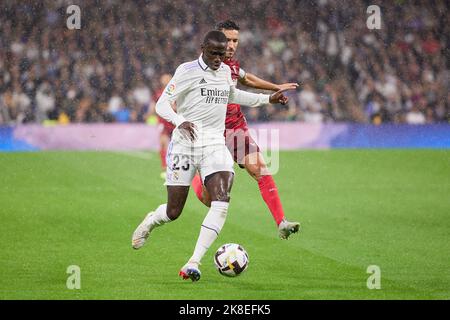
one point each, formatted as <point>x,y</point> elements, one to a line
<point>219,186</point>
<point>176,198</point>
<point>180,172</point>
<point>246,153</point>
<point>218,171</point>
<point>256,167</point>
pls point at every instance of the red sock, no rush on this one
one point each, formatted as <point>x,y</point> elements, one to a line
<point>162,154</point>
<point>198,187</point>
<point>269,193</point>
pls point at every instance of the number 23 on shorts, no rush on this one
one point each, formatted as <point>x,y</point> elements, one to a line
<point>180,170</point>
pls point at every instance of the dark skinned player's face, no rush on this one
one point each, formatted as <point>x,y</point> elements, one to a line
<point>214,53</point>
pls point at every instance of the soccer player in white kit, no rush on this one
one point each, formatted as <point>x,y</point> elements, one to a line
<point>201,90</point>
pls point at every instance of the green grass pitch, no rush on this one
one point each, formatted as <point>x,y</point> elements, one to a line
<point>389,208</point>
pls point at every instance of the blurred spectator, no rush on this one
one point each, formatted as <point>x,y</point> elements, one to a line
<point>309,105</point>
<point>115,103</point>
<point>45,102</point>
<point>141,96</point>
<point>20,104</point>
<point>117,108</point>
<point>414,116</point>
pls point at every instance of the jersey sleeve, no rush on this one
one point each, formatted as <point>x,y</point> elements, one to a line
<point>247,98</point>
<point>178,86</point>
<point>242,73</point>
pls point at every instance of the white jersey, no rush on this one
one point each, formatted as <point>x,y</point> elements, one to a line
<point>201,96</point>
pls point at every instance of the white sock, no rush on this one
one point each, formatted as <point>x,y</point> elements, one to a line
<point>210,229</point>
<point>160,216</point>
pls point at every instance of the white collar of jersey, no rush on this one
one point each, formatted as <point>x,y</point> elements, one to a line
<point>202,63</point>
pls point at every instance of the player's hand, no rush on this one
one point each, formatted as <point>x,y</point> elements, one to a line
<point>279,97</point>
<point>288,86</point>
<point>188,130</point>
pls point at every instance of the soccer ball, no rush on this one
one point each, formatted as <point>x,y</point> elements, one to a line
<point>231,259</point>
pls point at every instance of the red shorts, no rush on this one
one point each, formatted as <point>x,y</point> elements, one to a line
<point>240,143</point>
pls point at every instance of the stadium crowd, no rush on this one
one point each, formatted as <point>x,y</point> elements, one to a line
<point>109,70</point>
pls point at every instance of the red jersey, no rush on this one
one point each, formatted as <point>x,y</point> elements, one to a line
<point>235,118</point>
<point>168,126</point>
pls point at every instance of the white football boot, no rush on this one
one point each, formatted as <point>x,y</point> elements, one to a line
<point>286,228</point>
<point>190,271</point>
<point>142,232</point>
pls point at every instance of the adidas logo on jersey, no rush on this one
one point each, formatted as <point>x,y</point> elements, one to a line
<point>202,81</point>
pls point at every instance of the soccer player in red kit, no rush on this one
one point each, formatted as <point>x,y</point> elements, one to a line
<point>165,127</point>
<point>242,147</point>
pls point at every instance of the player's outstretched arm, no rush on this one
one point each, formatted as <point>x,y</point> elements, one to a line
<point>252,81</point>
<point>256,99</point>
<point>247,98</point>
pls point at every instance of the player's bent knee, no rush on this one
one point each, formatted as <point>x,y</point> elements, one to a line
<point>173,213</point>
<point>256,166</point>
<point>256,171</point>
<point>207,202</point>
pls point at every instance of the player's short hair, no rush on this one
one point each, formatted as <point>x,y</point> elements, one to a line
<point>214,35</point>
<point>227,25</point>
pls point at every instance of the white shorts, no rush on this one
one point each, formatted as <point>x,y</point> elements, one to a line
<point>183,163</point>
